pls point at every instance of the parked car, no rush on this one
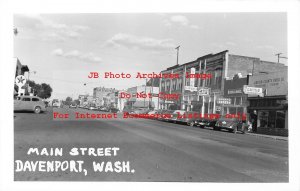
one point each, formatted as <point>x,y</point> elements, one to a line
<point>166,113</point>
<point>29,103</point>
<point>114,110</point>
<point>56,104</point>
<point>73,105</point>
<point>231,124</point>
<point>140,111</point>
<point>174,118</point>
<point>92,107</point>
<point>152,112</point>
<point>205,122</point>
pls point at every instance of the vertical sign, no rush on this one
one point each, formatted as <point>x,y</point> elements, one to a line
<point>192,80</point>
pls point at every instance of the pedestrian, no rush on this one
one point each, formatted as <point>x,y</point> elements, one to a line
<point>254,121</point>
<point>249,126</point>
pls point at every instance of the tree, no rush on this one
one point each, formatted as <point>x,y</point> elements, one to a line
<point>68,101</point>
<point>41,90</point>
<point>77,101</point>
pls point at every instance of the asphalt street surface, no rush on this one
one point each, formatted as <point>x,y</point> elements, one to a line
<point>155,150</point>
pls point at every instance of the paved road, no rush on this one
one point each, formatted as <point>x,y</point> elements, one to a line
<point>156,150</point>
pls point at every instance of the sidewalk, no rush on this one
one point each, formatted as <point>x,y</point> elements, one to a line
<point>268,136</point>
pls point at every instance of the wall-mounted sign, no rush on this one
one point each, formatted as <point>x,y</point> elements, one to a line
<point>224,101</point>
<point>192,80</point>
<point>190,88</point>
<point>234,91</point>
<point>203,91</point>
<point>275,83</point>
<point>252,90</point>
<point>218,108</point>
<point>20,80</point>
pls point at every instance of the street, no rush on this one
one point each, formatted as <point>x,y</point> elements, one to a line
<point>156,150</point>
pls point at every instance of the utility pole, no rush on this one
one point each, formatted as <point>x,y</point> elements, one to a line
<point>177,53</point>
<point>278,57</point>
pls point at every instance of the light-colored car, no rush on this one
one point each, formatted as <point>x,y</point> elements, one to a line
<point>55,103</point>
<point>92,107</point>
<point>29,103</point>
<point>175,116</point>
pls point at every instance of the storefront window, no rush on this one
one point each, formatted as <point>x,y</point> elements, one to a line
<point>179,84</point>
<point>238,101</point>
<point>280,119</point>
<point>232,110</point>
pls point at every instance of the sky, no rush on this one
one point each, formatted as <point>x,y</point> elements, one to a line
<point>62,49</point>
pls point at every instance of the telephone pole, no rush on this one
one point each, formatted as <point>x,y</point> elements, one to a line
<point>278,57</point>
<point>177,53</point>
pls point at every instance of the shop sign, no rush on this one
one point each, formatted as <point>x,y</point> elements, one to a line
<point>20,80</point>
<point>234,91</point>
<point>167,101</point>
<point>190,88</point>
<point>218,108</point>
<point>203,91</point>
<point>224,101</point>
<point>154,95</point>
<point>252,90</point>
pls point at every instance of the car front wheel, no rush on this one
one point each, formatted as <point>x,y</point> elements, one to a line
<point>37,110</point>
<point>216,128</point>
<point>190,124</point>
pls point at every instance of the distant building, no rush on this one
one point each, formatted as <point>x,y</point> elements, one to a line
<point>101,94</point>
<point>136,101</point>
<point>20,69</point>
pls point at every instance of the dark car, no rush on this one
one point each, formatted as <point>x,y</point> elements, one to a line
<point>164,115</point>
<point>205,122</point>
<point>231,124</point>
<point>114,110</point>
<point>73,105</point>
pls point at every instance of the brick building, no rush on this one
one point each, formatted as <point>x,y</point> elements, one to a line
<point>218,67</point>
<point>233,90</point>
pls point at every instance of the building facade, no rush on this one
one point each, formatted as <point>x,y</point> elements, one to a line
<point>272,106</point>
<point>136,99</point>
<point>205,92</point>
<point>233,90</point>
<point>20,69</point>
<point>102,95</point>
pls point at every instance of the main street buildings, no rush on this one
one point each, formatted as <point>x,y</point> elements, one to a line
<point>213,93</point>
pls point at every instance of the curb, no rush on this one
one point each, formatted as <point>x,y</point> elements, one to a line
<point>268,136</point>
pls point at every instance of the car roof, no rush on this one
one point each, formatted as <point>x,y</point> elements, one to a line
<point>29,97</point>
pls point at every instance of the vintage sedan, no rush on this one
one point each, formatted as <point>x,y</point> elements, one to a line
<point>73,105</point>
<point>29,103</point>
<point>231,124</point>
<point>175,116</point>
<point>203,122</point>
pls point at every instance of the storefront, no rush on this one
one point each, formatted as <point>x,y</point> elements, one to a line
<point>271,107</point>
<point>233,90</point>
